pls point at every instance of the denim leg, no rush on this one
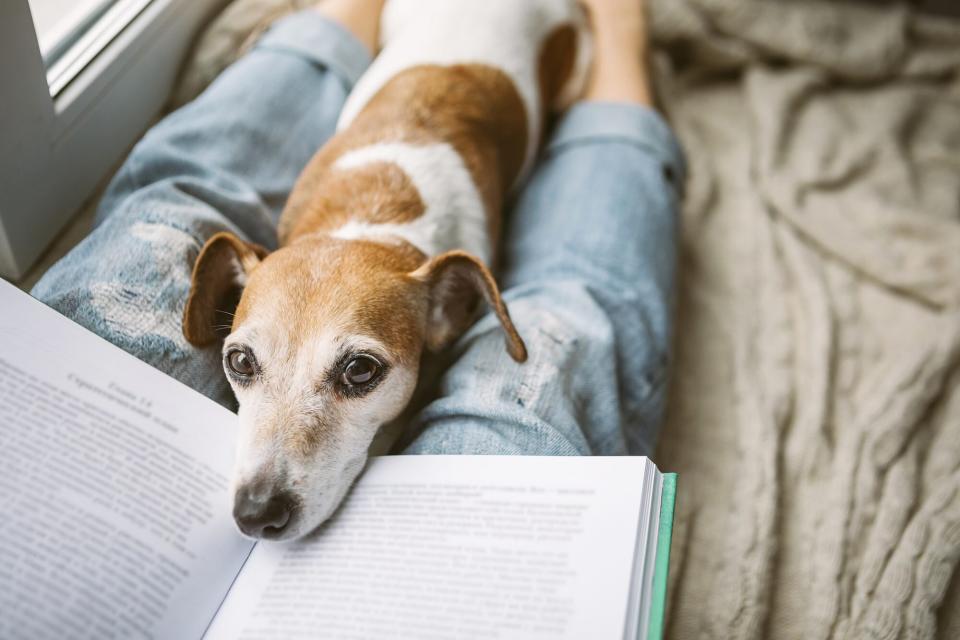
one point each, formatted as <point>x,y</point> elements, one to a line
<point>589,259</point>
<point>226,161</point>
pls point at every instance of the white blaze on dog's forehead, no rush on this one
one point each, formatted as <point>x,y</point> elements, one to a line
<point>295,383</point>
<point>450,36</point>
<point>454,217</point>
<point>295,363</point>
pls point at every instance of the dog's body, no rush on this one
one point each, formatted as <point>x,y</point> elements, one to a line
<point>456,103</point>
<point>384,245</point>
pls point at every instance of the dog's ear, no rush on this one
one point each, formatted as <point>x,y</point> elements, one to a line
<point>456,280</point>
<point>219,275</point>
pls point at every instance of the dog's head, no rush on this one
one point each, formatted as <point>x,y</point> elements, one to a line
<point>324,348</point>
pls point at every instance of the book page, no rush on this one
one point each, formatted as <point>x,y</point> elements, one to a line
<point>645,561</point>
<point>113,485</point>
<point>455,546</point>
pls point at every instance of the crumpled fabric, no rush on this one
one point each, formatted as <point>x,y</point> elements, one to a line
<point>814,415</point>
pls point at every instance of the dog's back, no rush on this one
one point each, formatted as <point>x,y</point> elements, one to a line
<point>540,45</point>
<point>453,107</point>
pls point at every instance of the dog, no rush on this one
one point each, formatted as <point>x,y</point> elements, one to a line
<point>385,243</point>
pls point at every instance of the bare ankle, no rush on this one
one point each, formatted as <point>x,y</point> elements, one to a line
<point>360,17</point>
<point>620,72</point>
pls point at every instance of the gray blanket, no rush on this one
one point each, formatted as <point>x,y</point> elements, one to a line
<point>815,411</point>
<point>815,407</point>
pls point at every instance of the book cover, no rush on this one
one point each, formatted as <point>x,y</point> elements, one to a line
<point>662,568</point>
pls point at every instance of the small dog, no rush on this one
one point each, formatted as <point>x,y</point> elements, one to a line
<point>384,245</point>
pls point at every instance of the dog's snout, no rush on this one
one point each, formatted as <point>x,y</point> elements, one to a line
<point>262,511</point>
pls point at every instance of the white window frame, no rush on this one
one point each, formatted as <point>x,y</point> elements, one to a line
<point>55,150</point>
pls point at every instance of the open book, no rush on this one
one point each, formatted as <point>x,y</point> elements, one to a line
<point>116,522</point>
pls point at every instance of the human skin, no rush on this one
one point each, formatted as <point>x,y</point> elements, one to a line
<point>620,72</point>
<point>360,17</point>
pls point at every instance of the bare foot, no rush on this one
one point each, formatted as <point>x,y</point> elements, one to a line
<point>620,71</point>
<point>360,17</point>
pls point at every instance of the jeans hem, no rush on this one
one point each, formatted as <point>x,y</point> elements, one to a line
<point>320,40</point>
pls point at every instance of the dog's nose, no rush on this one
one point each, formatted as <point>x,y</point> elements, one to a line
<point>261,512</point>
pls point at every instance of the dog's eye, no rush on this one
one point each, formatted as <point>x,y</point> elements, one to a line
<point>361,371</point>
<point>240,363</point>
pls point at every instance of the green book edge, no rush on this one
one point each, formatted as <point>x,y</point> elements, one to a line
<point>658,600</point>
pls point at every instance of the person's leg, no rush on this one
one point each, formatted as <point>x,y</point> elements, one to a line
<point>223,162</point>
<point>589,264</point>
<point>589,260</point>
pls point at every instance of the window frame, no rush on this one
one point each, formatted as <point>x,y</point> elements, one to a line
<point>56,150</point>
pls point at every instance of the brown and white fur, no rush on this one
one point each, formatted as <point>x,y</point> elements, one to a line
<point>384,244</point>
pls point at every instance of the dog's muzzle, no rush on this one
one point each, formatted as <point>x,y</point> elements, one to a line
<point>263,510</point>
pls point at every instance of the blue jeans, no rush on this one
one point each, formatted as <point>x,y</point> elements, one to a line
<point>587,261</point>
